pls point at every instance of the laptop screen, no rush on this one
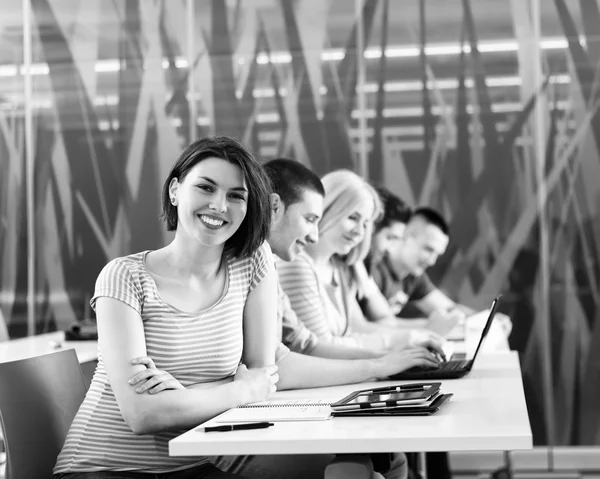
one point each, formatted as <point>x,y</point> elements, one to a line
<point>488,324</point>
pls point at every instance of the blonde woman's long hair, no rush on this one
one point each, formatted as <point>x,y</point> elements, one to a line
<point>345,191</point>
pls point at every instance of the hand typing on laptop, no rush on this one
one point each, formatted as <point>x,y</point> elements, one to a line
<point>426,339</point>
<point>452,368</point>
<point>401,360</point>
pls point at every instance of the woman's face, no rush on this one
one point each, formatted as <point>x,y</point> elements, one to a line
<point>350,230</point>
<point>211,201</point>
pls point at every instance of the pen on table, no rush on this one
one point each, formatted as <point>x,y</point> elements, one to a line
<point>236,427</point>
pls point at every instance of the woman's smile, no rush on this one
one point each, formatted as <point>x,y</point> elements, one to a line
<point>212,222</point>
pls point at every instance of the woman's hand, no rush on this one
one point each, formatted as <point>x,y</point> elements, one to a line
<point>401,360</point>
<point>258,383</point>
<point>154,379</point>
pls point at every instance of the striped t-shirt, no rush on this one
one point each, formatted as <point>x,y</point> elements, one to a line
<point>194,347</point>
<point>330,312</point>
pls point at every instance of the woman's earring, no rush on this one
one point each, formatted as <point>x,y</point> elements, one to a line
<point>173,200</point>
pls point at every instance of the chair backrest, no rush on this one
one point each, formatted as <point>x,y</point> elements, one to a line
<point>3,329</point>
<point>39,398</point>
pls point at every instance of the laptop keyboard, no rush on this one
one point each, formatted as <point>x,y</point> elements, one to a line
<point>454,365</point>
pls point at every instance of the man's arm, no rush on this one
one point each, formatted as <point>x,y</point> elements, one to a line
<point>437,301</point>
<point>299,339</point>
<point>298,371</point>
<point>443,314</point>
<point>341,351</point>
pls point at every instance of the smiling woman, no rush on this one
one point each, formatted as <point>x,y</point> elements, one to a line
<point>193,310</point>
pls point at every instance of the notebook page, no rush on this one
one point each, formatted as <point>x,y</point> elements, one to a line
<point>300,409</point>
<point>291,402</point>
<point>274,414</point>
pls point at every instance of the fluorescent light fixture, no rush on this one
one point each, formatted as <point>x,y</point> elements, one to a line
<point>495,47</point>
<point>562,79</point>
<point>108,100</point>
<point>436,110</point>
<point>373,53</point>
<point>280,57</point>
<point>36,69</point>
<point>104,66</point>
<point>181,62</point>
<point>406,112</point>
<point>394,87</point>
<point>557,43</point>
<point>8,70</point>
<point>41,103</point>
<point>334,54</point>
<point>406,51</point>
<point>433,50</point>
<point>415,85</point>
<point>105,125</point>
<point>267,118</point>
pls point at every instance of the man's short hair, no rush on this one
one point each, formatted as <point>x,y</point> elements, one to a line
<point>290,179</point>
<point>433,217</point>
<point>395,210</point>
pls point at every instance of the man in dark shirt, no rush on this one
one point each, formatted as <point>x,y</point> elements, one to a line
<point>400,290</point>
<point>401,276</point>
<point>401,273</point>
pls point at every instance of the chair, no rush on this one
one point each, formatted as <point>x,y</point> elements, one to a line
<point>39,398</point>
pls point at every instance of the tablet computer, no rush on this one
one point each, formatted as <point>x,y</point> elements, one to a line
<point>388,396</point>
<point>409,410</point>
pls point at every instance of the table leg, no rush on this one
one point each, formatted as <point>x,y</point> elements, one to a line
<point>422,463</point>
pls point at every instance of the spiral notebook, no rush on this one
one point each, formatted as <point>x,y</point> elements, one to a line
<point>279,410</point>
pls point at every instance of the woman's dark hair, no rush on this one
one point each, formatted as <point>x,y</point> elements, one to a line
<point>255,227</point>
<point>394,209</point>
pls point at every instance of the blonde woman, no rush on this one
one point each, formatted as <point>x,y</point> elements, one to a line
<point>325,282</point>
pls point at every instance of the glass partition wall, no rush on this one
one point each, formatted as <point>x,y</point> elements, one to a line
<point>485,110</point>
<point>13,194</point>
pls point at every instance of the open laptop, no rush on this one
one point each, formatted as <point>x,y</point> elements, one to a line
<point>453,368</point>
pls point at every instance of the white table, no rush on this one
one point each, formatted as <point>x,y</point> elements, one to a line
<point>487,412</point>
<point>31,346</point>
